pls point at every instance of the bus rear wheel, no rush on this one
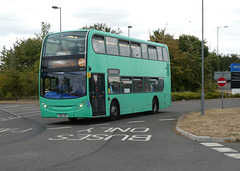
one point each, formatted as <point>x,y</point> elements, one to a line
<point>114,111</point>
<point>155,105</point>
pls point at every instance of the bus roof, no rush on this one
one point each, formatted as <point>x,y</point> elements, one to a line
<point>93,31</point>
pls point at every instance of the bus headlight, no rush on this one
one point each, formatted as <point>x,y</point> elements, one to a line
<point>44,105</point>
<point>81,105</point>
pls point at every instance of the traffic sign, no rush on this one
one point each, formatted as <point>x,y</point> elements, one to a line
<point>221,81</point>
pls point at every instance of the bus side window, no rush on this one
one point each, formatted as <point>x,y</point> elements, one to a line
<point>136,50</point>
<point>113,85</point>
<point>152,52</point>
<point>146,84</point>
<point>160,55</point>
<point>124,48</point>
<point>112,46</point>
<point>153,85</point>
<point>165,55</point>
<point>137,85</point>
<point>144,51</point>
<point>126,85</point>
<point>98,44</point>
<point>161,83</point>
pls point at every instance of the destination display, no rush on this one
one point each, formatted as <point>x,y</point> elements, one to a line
<point>69,63</point>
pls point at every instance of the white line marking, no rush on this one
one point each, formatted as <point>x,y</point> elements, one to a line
<point>31,115</point>
<point>212,144</point>
<point>66,127</point>
<point>132,122</point>
<point>13,118</point>
<point>26,130</point>
<point>11,113</point>
<point>9,118</point>
<point>233,155</point>
<point>224,150</point>
<point>170,119</point>
<point>99,124</point>
<point>29,112</point>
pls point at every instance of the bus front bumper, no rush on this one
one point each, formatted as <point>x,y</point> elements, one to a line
<point>65,108</point>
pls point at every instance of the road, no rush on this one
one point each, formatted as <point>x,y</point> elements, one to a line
<point>135,142</point>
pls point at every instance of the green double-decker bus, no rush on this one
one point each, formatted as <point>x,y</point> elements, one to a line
<point>89,73</point>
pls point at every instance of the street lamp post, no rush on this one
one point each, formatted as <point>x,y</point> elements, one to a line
<point>218,37</point>
<point>129,27</point>
<point>56,7</point>
<point>202,93</point>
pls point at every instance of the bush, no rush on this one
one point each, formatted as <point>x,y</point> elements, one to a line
<point>197,95</point>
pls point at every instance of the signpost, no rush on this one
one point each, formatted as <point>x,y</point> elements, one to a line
<point>222,82</point>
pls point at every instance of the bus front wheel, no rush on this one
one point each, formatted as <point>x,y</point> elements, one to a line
<point>114,111</point>
<point>155,105</point>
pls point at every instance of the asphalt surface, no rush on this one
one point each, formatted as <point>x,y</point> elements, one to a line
<point>135,142</point>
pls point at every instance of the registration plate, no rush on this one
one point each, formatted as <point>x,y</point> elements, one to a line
<point>63,115</point>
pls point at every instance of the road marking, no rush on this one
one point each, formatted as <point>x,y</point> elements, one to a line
<point>11,113</point>
<point>132,122</point>
<point>212,144</point>
<point>224,150</point>
<point>31,115</point>
<point>170,119</point>
<point>18,117</point>
<point>99,124</point>
<point>66,127</point>
<point>233,155</point>
<point>30,112</point>
<point>8,118</point>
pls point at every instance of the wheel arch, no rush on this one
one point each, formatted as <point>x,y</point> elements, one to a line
<point>155,100</point>
<point>156,97</point>
<point>116,100</point>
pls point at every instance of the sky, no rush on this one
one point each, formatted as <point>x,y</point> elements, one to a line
<point>21,19</point>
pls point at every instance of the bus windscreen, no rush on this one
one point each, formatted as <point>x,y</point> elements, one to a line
<point>63,85</point>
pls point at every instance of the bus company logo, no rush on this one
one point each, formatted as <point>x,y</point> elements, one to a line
<point>63,64</point>
<point>81,62</point>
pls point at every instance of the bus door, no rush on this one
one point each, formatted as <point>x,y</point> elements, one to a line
<point>97,94</point>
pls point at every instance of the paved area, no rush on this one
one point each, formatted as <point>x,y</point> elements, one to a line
<point>135,142</point>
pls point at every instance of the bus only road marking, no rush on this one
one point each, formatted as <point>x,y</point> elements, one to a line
<point>106,133</point>
<point>98,137</point>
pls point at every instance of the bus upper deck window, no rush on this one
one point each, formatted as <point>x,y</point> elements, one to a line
<point>98,44</point>
<point>61,44</point>
<point>136,50</point>
<point>165,54</point>
<point>112,46</point>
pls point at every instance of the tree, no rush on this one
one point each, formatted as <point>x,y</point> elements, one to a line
<point>103,27</point>
<point>10,83</point>
<point>185,55</point>
<point>177,57</point>
<point>192,45</point>
<point>19,66</point>
<point>45,27</point>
